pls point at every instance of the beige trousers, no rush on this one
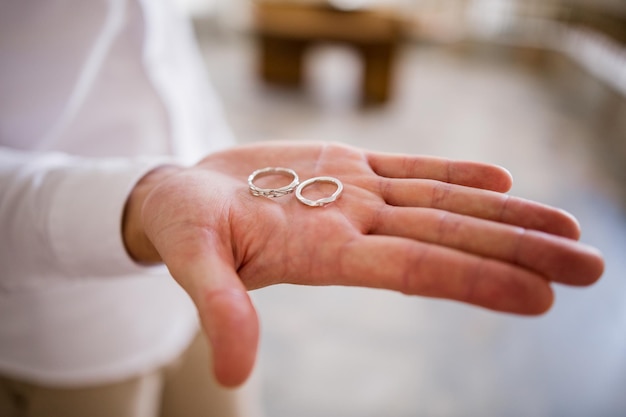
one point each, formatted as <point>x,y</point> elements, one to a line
<point>183,388</point>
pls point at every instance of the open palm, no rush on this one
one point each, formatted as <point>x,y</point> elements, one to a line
<point>419,225</point>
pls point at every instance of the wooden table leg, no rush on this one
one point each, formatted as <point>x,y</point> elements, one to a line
<point>281,60</point>
<point>378,60</point>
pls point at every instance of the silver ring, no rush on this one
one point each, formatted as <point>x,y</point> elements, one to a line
<point>321,201</point>
<point>272,192</point>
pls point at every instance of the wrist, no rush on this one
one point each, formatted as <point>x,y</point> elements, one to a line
<point>136,242</point>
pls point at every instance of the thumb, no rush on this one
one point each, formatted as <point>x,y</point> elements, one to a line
<point>231,324</point>
<point>224,306</point>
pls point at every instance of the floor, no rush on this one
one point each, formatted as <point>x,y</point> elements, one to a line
<point>345,352</point>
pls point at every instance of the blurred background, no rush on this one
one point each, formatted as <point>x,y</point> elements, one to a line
<point>536,86</point>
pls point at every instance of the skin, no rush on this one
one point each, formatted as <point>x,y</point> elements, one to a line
<point>419,225</point>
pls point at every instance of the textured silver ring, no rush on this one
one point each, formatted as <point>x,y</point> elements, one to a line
<point>272,192</point>
<point>321,201</point>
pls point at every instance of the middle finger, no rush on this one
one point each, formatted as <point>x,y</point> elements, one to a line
<point>556,258</point>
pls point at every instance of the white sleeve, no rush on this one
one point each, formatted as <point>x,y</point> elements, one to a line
<point>60,216</point>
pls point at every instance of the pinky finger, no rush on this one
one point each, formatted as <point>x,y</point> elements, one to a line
<point>467,173</point>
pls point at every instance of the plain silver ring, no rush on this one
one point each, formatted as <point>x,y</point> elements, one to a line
<point>321,201</point>
<point>272,192</point>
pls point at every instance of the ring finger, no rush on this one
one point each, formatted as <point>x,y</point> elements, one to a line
<point>479,203</point>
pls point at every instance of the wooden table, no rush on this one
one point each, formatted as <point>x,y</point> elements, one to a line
<point>285,31</point>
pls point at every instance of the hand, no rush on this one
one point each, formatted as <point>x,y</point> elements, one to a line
<point>419,225</point>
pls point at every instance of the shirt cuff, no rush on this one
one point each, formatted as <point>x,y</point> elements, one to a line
<point>85,219</point>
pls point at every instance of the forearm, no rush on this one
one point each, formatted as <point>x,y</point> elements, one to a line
<point>136,242</point>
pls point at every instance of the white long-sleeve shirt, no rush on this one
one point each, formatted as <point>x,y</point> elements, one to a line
<point>93,94</point>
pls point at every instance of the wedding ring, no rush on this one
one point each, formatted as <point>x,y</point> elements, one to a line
<point>321,201</point>
<point>272,192</point>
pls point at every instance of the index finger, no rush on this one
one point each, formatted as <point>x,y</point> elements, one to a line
<point>468,173</point>
<point>418,268</point>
